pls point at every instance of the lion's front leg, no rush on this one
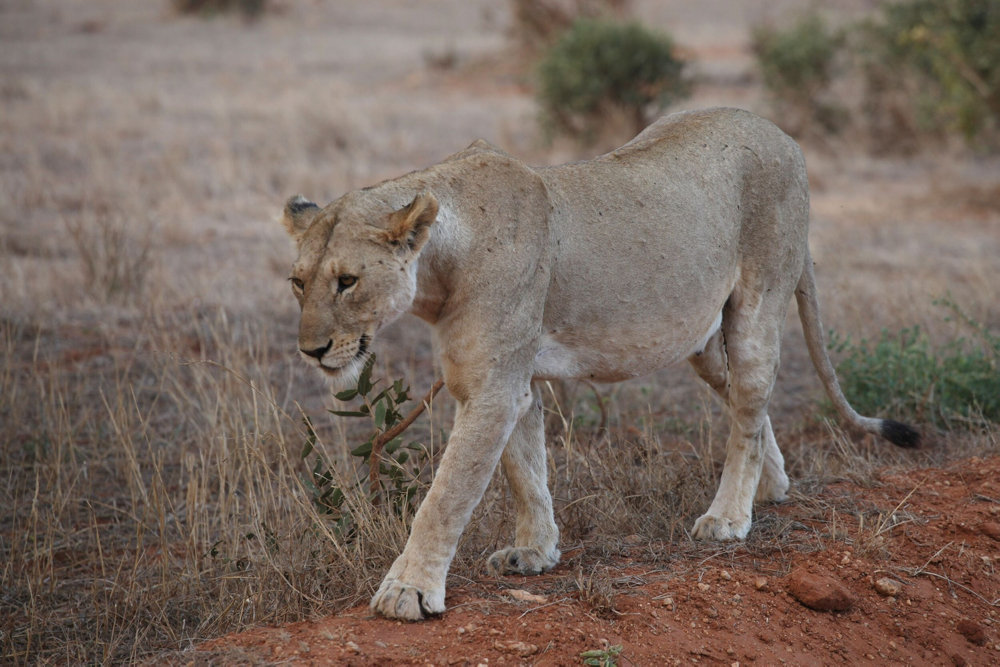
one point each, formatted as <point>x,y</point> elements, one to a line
<point>524,463</point>
<point>414,587</point>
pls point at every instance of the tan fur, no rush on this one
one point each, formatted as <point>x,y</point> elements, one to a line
<point>686,243</point>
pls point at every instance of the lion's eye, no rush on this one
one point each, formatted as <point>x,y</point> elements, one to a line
<point>297,284</point>
<point>346,282</point>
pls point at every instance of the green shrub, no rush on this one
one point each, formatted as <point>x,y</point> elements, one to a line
<point>249,8</point>
<point>600,68</point>
<point>944,55</point>
<point>393,475</point>
<point>537,23</point>
<point>902,375</point>
<point>798,65</point>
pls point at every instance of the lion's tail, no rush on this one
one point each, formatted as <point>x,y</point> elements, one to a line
<point>895,432</point>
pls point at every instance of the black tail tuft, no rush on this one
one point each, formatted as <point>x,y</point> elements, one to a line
<point>900,434</point>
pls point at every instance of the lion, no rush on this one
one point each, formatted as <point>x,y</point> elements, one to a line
<point>688,242</point>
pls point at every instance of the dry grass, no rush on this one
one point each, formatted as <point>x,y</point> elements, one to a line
<point>150,406</point>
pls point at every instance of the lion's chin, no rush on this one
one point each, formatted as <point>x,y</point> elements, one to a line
<point>346,376</point>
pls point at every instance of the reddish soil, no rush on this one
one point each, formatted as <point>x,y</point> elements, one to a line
<point>907,570</point>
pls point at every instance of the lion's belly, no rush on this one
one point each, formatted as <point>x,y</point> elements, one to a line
<point>603,357</point>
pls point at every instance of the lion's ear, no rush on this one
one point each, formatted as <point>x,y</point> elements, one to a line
<point>298,215</point>
<point>410,226</point>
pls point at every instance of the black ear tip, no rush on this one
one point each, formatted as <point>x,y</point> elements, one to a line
<point>298,204</point>
<point>900,434</point>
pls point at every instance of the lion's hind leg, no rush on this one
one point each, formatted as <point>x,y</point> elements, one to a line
<point>525,466</point>
<point>712,366</point>
<point>741,362</point>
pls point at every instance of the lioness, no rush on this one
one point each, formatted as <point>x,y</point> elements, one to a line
<point>685,243</point>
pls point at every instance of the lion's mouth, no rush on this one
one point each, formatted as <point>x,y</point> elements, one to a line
<point>363,344</point>
<point>329,370</point>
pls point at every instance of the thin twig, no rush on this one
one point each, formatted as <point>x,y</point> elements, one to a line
<point>410,418</point>
<point>937,553</point>
<point>952,582</point>
<point>548,604</point>
<point>378,442</point>
<point>883,525</point>
<point>603,426</point>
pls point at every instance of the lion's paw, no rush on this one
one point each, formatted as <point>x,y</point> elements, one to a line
<point>395,599</point>
<point>709,527</point>
<point>772,490</point>
<point>522,560</point>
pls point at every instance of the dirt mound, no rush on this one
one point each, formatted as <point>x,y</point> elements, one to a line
<point>912,562</point>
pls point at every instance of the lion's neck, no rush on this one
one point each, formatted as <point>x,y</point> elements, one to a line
<point>437,263</point>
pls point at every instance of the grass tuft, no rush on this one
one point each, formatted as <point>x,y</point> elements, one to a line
<point>954,385</point>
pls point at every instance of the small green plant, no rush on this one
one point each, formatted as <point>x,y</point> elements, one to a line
<point>798,66</point>
<point>249,8</point>
<point>598,68</point>
<point>393,476</point>
<point>945,56</point>
<point>903,375</point>
<point>537,23</point>
<point>602,657</point>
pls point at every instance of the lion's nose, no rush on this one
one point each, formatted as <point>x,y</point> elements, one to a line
<point>319,351</point>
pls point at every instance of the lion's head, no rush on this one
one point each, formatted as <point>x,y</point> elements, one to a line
<point>356,272</point>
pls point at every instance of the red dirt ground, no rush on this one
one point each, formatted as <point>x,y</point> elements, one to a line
<point>935,533</point>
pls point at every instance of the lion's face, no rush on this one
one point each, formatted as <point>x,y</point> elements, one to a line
<point>355,273</point>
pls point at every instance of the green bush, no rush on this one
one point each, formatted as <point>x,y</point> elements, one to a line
<point>902,375</point>
<point>600,68</point>
<point>797,65</point>
<point>393,476</point>
<point>249,8</point>
<point>946,55</point>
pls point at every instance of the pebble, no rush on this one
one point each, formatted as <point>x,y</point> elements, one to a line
<point>523,649</point>
<point>972,631</point>
<point>818,591</point>
<point>702,586</point>
<point>888,587</point>
<point>525,596</point>
<point>991,529</point>
<point>760,582</point>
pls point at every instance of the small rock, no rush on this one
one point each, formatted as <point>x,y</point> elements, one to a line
<point>522,649</point>
<point>724,575</point>
<point>819,592</point>
<point>991,529</point>
<point>525,596</point>
<point>888,587</point>
<point>702,586</point>
<point>351,646</point>
<point>668,602</point>
<point>760,583</point>
<point>972,631</point>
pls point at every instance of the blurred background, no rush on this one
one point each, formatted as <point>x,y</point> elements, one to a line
<point>155,453</point>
